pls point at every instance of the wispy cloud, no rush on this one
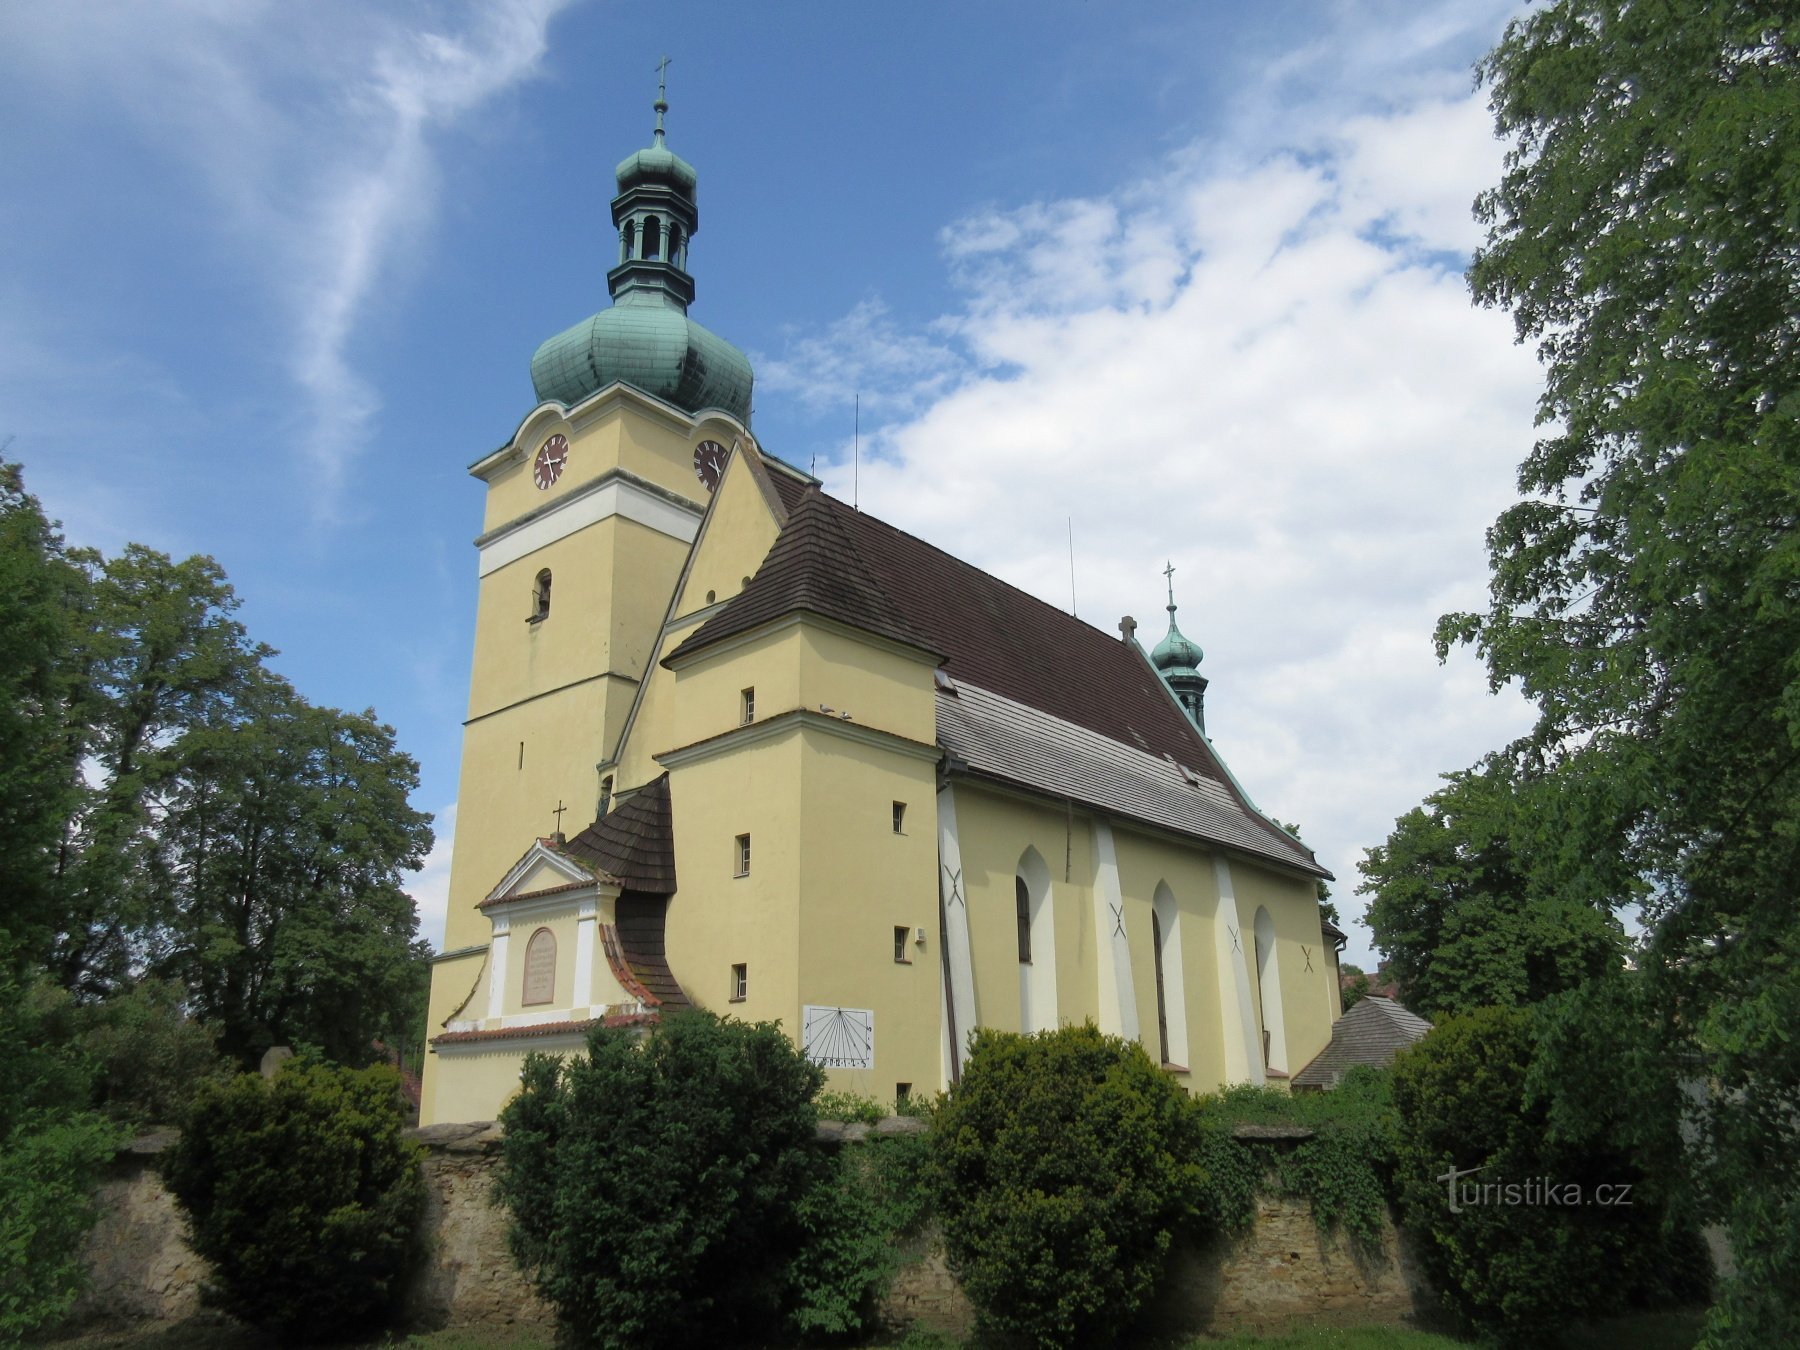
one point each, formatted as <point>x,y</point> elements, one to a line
<point>865,353</point>
<point>310,129</point>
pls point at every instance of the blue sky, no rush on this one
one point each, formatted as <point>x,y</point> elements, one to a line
<point>1189,275</point>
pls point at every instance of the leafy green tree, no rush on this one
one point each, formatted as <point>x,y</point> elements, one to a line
<point>41,590</point>
<point>168,805</point>
<point>160,656</point>
<point>1539,1203</point>
<point>657,1187</point>
<point>1455,911</point>
<point>1646,590</point>
<point>303,1195</point>
<point>282,832</point>
<point>1063,1168</point>
<point>148,1054</point>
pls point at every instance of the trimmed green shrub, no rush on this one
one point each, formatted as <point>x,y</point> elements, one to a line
<point>661,1192</point>
<point>1062,1167</point>
<point>304,1196</point>
<point>1549,1224</point>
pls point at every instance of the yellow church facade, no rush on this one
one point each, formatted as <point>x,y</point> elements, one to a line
<point>835,776</point>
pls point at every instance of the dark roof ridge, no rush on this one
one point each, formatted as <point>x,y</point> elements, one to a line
<point>790,580</point>
<point>861,515</point>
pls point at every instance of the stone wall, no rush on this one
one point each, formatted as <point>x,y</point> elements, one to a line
<point>1283,1273</point>
<point>141,1268</point>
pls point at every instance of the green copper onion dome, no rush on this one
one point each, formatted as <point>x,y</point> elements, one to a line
<point>1177,659</point>
<point>1177,652</point>
<point>646,339</point>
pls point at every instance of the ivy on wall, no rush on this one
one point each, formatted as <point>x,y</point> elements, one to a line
<point>1344,1168</point>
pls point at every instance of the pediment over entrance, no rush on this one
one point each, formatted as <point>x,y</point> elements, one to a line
<point>543,869</point>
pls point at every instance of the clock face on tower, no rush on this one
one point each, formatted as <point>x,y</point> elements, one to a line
<point>551,456</point>
<point>709,462</point>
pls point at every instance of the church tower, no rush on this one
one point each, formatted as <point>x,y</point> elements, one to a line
<point>591,509</point>
<point>1177,659</point>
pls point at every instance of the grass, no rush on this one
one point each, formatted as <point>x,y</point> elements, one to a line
<point>1644,1331</point>
<point>209,1333</point>
<point>1334,1338</point>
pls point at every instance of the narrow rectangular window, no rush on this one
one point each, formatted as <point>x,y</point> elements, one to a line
<point>899,817</point>
<point>901,934</point>
<point>740,983</point>
<point>902,1094</point>
<point>743,855</point>
<point>747,710</point>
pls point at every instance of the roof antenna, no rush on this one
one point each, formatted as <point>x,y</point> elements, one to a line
<point>1072,613</point>
<point>856,452</point>
<point>662,100</point>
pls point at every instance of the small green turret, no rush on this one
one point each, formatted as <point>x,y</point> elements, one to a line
<point>646,339</point>
<point>1177,659</point>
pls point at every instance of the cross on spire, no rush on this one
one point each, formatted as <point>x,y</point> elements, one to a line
<point>1169,572</point>
<point>662,96</point>
<point>558,813</point>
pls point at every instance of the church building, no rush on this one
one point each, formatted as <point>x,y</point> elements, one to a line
<point>835,776</point>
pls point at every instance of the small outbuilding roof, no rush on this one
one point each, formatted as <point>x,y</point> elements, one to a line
<point>1371,1033</point>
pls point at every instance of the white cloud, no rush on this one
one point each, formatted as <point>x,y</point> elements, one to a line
<point>429,887</point>
<point>1269,371</point>
<point>309,130</point>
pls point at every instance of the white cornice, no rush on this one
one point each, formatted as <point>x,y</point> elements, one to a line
<point>794,721</point>
<point>615,493</point>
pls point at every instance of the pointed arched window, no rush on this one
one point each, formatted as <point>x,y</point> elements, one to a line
<point>1171,993</point>
<point>1162,1000</point>
<point>1268,988</point>
<point>1033,917</point>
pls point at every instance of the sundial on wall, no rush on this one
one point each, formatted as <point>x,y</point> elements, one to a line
<point>838,1038</point>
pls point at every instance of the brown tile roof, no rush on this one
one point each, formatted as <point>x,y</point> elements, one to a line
<point>545,1028</point>
<point>832,560</point>
<point>989,633</point>
<point>789,483</point>
<point>815,567</point>
<point>1371,1033</point>
<point>494,900</point>
<point>635,844</point>
<point>639,930</point>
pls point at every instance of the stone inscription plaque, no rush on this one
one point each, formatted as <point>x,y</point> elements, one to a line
<point>540,967</point>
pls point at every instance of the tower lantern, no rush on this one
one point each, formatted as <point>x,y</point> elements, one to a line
<point>1177,659</point>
